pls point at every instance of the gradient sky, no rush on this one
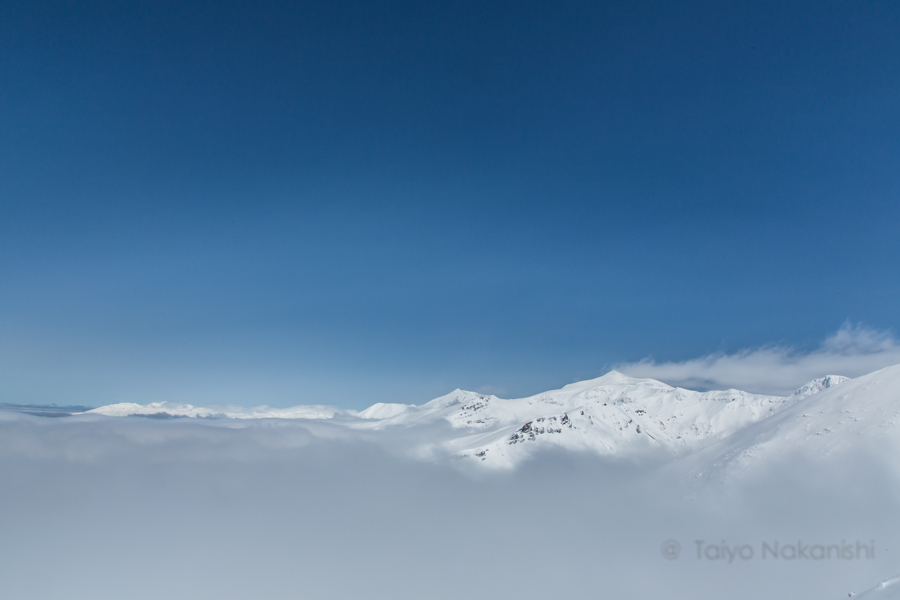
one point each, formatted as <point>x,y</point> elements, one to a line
<point>345,203</point>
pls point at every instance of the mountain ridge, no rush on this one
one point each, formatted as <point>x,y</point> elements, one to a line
<point>613,415</point>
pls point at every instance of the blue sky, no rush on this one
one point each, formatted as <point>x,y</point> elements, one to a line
<point>347,203</point>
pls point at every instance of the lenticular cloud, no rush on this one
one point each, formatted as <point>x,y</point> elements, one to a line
<point>852,351</point>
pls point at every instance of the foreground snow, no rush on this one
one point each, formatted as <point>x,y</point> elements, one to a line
<point>889,589</point>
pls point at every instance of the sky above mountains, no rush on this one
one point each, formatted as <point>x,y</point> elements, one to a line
<point>348,203</point>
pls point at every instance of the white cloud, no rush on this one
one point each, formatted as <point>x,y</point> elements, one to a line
<point>852,351</point>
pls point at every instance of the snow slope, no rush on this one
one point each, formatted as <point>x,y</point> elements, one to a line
<point>889,589</point>
<point>860,415</point>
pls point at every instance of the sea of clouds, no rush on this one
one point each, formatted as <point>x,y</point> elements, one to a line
<point>107,508</point>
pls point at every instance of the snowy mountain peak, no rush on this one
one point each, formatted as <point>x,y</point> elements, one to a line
<point>817,385</point>
<point>613,378</point>
<point>455,397</point>
<point>384,410</point>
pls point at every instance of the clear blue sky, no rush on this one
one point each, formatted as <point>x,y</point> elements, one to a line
<point>340,202</point>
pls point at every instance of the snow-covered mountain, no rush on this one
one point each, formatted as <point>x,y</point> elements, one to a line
<point>175,409</point>
<point>817,385</point>
<point>859,415</point>
<point>612,415</point>
<point>889,589</point>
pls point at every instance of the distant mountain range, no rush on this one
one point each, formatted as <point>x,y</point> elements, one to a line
<point>615,416</point>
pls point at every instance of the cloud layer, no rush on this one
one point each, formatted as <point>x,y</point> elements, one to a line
<point>851,351</point>
<point>107,508</point>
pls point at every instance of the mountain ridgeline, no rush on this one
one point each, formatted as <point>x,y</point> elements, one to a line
<point>613,415</point>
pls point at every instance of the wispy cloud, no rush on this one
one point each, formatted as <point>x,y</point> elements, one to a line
<point>851,351</point>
